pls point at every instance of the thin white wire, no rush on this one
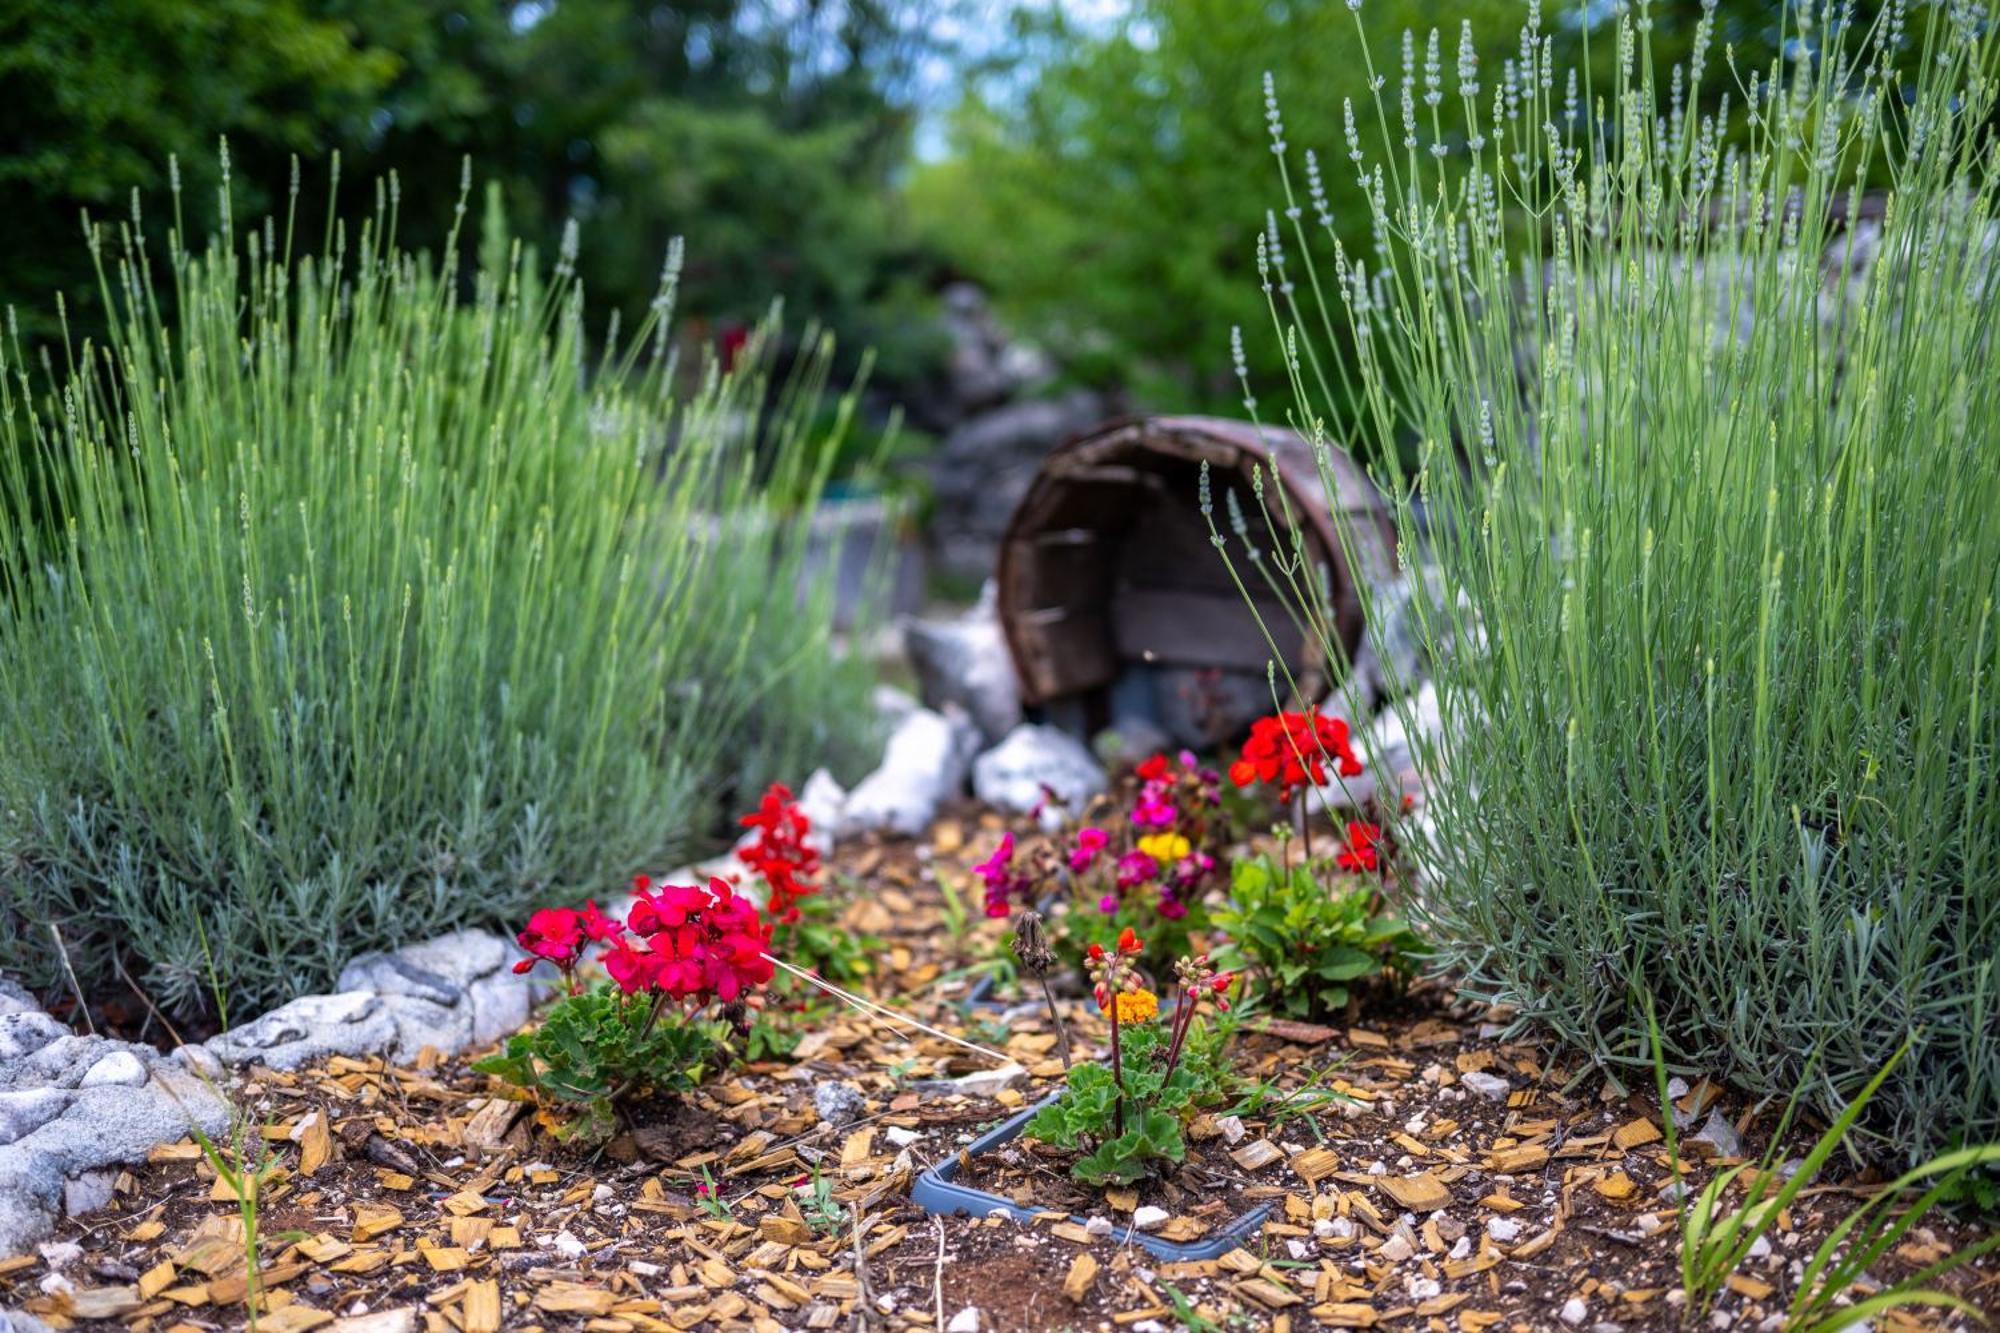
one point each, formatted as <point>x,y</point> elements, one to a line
<point>871,1007</point>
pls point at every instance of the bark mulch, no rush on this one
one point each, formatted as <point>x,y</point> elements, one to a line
<point>427,1198</point>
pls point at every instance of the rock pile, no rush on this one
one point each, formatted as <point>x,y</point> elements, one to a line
<point>73,1109</point>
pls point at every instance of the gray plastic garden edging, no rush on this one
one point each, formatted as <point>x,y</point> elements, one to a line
<point>937,1192</point>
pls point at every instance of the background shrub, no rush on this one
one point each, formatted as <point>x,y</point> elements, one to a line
<point>349,598</point>
<point>1710,457</point>
<point>1096,180</point>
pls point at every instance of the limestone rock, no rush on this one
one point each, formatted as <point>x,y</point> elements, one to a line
<point>27,1109</point>
<point>964,662</point>
<point>309,1028</point>
<point>979,1083</point>
<point>923,765</point>
<point>821,800</point>
<point>25,1032</point>
<point>1019,773</point>
<point>117,1069</point>
<point>839,1104</point>
<point>15,998</point>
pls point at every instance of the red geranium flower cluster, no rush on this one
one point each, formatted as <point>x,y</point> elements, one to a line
<point>1291,749</point>
<point>1362,852</point>
<point>779,852</point>
<point>683,941</point>
<point>558,935</point>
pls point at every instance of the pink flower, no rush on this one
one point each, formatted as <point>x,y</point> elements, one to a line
<point>1154,809</point>
<point>1135,868</point>
<point>1089,842</point>
<point>997,868</point>
<point>1002,880</point>
<point>1108,904</point>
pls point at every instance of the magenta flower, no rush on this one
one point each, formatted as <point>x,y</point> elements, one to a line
<point>1108,904</point>
<point>1001,879</point>
<point>1155,808</point>
<point>1135,868</point>
<point>1089,842</point>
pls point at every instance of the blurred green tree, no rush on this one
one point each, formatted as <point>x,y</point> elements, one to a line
<point>768,133</point>
<point>1101,178</point>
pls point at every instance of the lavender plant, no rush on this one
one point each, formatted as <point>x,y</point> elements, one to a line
<point>349,597</point>
<point>1696,370</point>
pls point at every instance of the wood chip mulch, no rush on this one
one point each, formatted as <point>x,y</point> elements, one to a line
<point>1431,1198</point>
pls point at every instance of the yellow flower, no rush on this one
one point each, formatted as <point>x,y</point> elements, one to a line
<point>1166,848</point>
<point>1137,1006</point>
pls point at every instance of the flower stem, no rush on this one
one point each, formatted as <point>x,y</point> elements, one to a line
<point>1117,1070</point>
<point>1055,1016</point>
<point>1183,1019</point>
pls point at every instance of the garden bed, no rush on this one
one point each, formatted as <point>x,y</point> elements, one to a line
<point>1429,1199</point>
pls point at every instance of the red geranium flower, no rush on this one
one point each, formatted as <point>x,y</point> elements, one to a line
<point>553,933</point>
<point>597,927</point>
<point>779,851</point>
<point>1157,769</point>
<point>1360,852</point>
<point>634,969</point>
<point>1291,749</point>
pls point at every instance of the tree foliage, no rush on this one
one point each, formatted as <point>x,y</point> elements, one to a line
<point>767,134</point>
<point>1096,180</point>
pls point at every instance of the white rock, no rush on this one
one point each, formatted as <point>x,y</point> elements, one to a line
<point>965,663</point>
<point>1395,1250</point>
<point>1486,1085</point>
<point>901,1136</point>
<point>1720,1135</point>
<point>26,1110</point>
<point>1098,1227</point>
<point>1503,1229</point>
<point>119,1069</point>
<point>308,1028</point>
<point>1760,1248</point>
<point>965,1321</point>
<point>985,1083</point>
<point>1298,1249</point>
<point>1232,1127</point>
<point>822,800</point>
<point>568,1246</point>
<point>923,765</point>
<point>1461,1248</point>
<point>1033,761</point>
<point>1574,1311</point>
<point>1422,1288</point>
<point>839,1104</point>
<point>59,1254</point>
<point>1149,1218</point>
<point>1649,1224</point>
<point>88,1192</point>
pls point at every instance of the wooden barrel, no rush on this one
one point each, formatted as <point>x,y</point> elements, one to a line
<point>1116,605</point>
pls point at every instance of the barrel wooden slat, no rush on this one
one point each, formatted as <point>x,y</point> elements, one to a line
<point>1107,567</point>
